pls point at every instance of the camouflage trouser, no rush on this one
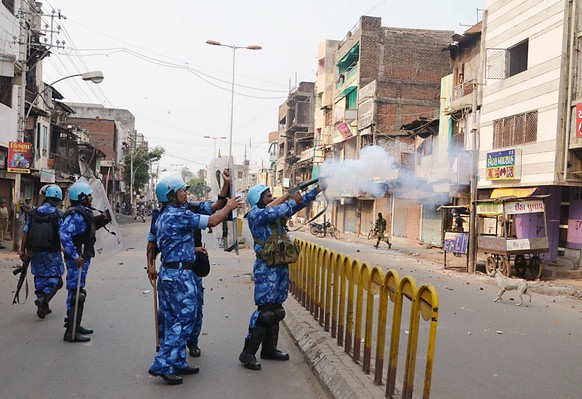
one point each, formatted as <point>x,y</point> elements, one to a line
<point>72,276</point>
<point>44,286</point>
<point>177,311</point>
<point>193,339</point>
<point>271,286</point>
<point>382,237</point>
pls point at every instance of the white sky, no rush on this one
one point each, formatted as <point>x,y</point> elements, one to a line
<point>144,47</point>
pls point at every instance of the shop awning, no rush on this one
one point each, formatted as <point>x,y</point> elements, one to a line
<point>512,192</point>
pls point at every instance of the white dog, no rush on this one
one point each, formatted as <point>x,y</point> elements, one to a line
<point>509,284</point>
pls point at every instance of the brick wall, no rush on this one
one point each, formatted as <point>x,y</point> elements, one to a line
<point>408,65</point>
<point>102,134</point>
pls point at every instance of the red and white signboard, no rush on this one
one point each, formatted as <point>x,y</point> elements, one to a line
<point>579,120</point>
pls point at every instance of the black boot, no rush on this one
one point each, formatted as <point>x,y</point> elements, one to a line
<point>194,350</point>
<point>252,343</point>
<point>44,301</point>
<point>85,331</point>
<point>42,307</point>
<point>69,336</point>
<point>269,349</point>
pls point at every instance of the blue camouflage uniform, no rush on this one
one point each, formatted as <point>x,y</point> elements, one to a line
<point>74,225</point>
<point>47,267</point>
<point>174,230</point>
<point>271,283</point>
<point>204,209</point>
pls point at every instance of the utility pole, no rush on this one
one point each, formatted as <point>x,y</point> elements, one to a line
<point>472,258</point>
<point>22,59</point>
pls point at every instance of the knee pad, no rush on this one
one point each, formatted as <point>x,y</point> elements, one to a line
<point>279,314</point>
<point>266,318</point>
<point>81,298</point>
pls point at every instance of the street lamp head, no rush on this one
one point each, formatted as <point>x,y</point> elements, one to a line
<point>254,47</point>
<point>94,76</point>
<point>213,43</point>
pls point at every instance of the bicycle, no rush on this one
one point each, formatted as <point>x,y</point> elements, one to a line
<point>373,233</point>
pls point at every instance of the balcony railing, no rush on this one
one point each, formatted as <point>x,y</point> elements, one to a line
<point>462,90</point>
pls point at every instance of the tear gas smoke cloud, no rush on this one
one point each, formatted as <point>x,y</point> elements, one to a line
<point>359,176</point>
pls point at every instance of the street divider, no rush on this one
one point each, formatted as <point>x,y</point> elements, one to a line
<point>336,289</point>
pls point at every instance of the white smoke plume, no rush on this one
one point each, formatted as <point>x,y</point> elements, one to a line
<point>353,177</point>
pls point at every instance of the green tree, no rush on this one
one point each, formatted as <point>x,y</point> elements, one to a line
<point>141,166</point>
<point>186,173</point>
<point>199,189</point>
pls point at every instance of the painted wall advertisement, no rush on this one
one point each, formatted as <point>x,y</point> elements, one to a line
<point>579,120</point>
<point>503,165</point>
<point>19,155</point>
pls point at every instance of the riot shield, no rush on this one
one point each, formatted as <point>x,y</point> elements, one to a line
<point>226,236</point>
<point>109,241</point>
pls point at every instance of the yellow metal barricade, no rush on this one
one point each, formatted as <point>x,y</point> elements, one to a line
<point>335,287</point>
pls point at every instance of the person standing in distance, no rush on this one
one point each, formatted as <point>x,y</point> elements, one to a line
<point>175,228</point>
<point>77,233</point>
<point>3,222</point>
<point>380,227</point>
<point>271,282</point>
<point>41,243</point>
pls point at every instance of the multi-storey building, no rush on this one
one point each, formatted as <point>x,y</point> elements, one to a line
<point>532,113</point>
<point>384,78</point>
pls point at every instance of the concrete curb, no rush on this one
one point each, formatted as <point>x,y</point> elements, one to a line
<point>342,377</point>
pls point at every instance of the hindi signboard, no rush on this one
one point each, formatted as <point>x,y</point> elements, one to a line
<point>19,157</point>
<point>503,165</point>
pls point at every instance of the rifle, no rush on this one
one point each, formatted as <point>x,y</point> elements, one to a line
<point>23,271</point>
<point>285,197</point>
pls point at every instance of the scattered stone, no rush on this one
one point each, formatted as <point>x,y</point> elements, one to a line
<point>499,332</point>
<point>146,292</point>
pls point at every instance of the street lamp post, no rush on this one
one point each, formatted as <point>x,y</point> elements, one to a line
<point>234,48</point>
<point>215,138</point>
<point>93,76</point>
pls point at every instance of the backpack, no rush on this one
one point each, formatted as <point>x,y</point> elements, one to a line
<point>43,231</point>
<point>279,249</point>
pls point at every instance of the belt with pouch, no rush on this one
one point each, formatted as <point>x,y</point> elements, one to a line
<point>176,265</point>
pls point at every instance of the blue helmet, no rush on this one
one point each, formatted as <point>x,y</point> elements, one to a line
<point>53,191</point>
<point>254,194</point>
<point>79,191</point>
<point>170,186</point>
<point>162,191</point>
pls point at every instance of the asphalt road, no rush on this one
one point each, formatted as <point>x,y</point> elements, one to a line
<point>36,363</point>
<point>485,349</point>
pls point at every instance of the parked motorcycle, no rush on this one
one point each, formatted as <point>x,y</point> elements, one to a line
<point>321,230</point>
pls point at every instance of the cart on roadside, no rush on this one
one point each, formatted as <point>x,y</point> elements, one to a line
<point>513,229</point>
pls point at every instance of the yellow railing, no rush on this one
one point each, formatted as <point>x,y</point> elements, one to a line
<point>335,288</point>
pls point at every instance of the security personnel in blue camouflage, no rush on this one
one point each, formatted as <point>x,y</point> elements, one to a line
<point>204,208</point>
<point>41,243</point>
<point>271,282</point>
<point>176,286</point>
<point>77,233</point>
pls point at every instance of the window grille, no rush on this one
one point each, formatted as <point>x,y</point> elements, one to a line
<point>9,5</point>
<point>495,64</point>
<point>6,91</point>
<point>515,130</point>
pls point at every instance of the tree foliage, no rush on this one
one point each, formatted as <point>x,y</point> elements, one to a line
<point>186,173</point>
<point>198,189</point>
<point>141,166</point>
